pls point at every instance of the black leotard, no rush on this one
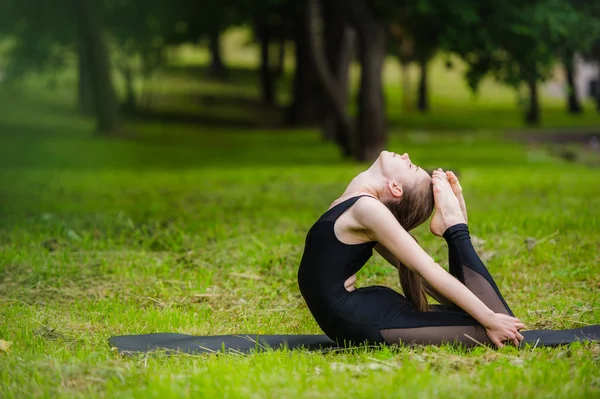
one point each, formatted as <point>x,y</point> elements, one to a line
<point>379,314</point>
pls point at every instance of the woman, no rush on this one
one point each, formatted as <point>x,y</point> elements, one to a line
<point>376,211</point>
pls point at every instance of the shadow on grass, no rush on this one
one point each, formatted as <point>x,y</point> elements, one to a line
<point>584,136</point>
<point>204,118</point>
<point>240,112</point>
<point>235,75</point>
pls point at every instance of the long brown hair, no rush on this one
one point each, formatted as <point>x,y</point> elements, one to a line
<point>414,208</point>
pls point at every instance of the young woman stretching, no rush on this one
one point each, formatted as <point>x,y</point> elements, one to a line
<point>376,211</point>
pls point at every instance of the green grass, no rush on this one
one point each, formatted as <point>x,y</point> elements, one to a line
<point>116,236</point>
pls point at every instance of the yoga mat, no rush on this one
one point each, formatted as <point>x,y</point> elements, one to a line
<point>244,343</point>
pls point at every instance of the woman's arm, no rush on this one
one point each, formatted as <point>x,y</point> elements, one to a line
<point>381,226</point>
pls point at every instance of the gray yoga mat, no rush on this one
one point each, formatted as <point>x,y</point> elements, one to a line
<point>245,343</point>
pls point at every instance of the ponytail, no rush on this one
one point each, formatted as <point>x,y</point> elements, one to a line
<point>413,209</point>
<point>412,286</point>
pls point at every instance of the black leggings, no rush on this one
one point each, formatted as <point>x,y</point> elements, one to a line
<point>447,323</point>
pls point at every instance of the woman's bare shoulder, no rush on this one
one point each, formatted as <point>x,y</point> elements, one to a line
<point>367,207</point>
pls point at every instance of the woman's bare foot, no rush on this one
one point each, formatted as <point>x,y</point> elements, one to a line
<point>457,190</point>
<point>447,207</point>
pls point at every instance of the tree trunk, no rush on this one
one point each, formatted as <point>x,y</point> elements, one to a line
<point>335,92</point>
<point>422,95</point>
<point>532,117</point>
<point>339,46</point>
<point>280,67</point>
<point>85,95</point>
<point>573,105</point>
<point>406,90</point>
<point>97,59</point>
<point>130,102</point>
<point>267,83</point>
<point>216,68</point>
<point>306,107</point>
<point>146,72</point>
<point>597,93</point>
<point>370,132</point>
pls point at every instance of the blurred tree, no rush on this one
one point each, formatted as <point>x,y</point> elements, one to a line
<point>573,104</point>
<point>582,37</point>
<point>367,136</point>
<point>307,103</point>
<point>591,50</point>
<point>264,34</point>
<point>515,42</point>
<point>85,97</point>
<point>594,54</point>
<point>96,60</point>
<point>206,20</point>
<point>40,35</point>
<point>266,18</point>
<point>44,36</point>
<point>269,27</point>
<point>370,134</point>
<point>281,37</point>
<point>402,46</point>
<point>332,73</point>
<point>418,29</point>
<point>139,31</point>
<point>339,40</point>
<point>217,68</point>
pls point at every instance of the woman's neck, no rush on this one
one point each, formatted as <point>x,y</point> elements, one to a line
<point>363,183</point>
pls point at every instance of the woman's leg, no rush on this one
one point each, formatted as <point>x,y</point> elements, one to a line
<point>447,323</point>
<point>399,322</point>
<point>435,328</point>
<point>466,266</point>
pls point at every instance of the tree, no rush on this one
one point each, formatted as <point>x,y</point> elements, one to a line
<point>339,39</point>
<point>368,135</point>
<point>40,35</point>
<point>206,21</point>
<point>44,37</point>
<point>573,104</point>
<point>138,32</point>
<point>307,100</point>
<point>96,58</point>
<point>590,49</point>
<point>419,28</point>
<point>371,134</point>
<point>85,97</point>
<point>581,38</point>
<point>217,67</point>
<point>515,43</point>
<point>403,48</point>
<point>595,55</point>
<point>267,26</point>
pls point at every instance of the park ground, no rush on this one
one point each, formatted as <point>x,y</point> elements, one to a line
<point>186,225</point>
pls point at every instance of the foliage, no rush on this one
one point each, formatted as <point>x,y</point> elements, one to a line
<point>41,34</point>
<point>515,41</point>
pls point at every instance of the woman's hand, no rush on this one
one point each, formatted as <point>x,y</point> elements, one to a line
<point>501,327</point>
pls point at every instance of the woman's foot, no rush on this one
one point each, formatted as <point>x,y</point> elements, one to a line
<point>457,190</point>
<point>447,207</point>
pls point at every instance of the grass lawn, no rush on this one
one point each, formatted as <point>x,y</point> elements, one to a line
<point>116,236</point>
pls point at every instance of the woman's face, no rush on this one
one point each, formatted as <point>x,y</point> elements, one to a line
<point>399,169</point>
